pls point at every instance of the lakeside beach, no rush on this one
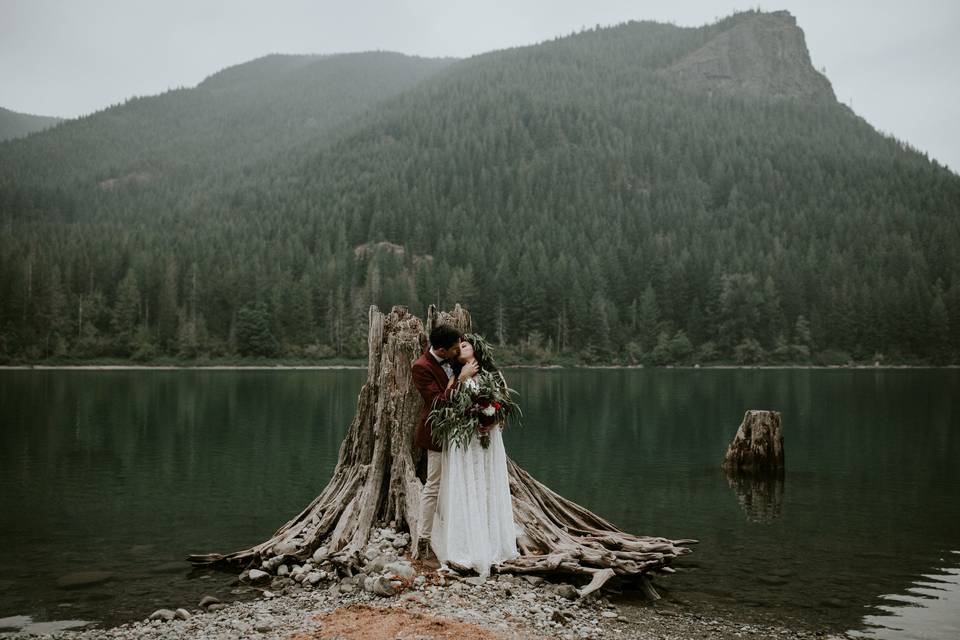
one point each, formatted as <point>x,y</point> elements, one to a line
<point>503,607</point>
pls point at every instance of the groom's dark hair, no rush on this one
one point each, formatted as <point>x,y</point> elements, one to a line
<point>443,336</point>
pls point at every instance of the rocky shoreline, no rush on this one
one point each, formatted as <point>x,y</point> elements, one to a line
<point>394,597</point>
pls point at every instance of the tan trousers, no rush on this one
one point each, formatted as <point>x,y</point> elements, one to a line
<point>431,489</point>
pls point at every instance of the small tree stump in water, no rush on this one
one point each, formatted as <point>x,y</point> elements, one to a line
<point>758,445</point>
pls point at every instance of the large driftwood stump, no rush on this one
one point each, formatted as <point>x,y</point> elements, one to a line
<point>375,483</point>
<point>758,445</point>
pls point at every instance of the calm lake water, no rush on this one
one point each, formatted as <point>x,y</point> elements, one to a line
<point>129,471</point>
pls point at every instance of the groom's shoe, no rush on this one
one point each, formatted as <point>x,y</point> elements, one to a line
<point>426,556</point>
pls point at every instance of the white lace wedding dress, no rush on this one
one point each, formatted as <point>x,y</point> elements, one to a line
<point>473,526</point>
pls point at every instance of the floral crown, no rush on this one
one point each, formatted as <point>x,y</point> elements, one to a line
<point>482,351</point>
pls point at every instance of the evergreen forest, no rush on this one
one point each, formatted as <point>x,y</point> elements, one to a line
<point>579,196</point>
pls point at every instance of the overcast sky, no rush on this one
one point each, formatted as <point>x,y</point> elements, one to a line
<point>894,62</point>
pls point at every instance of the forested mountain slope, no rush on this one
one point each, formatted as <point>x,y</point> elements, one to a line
<point>642,192</point>
<point>16,125</point>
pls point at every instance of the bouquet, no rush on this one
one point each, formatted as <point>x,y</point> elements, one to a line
<point>480,403</point>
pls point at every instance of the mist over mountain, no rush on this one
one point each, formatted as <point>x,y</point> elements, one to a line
<point>638,193</point>
<point>16,125</point>
<point>249,112</point>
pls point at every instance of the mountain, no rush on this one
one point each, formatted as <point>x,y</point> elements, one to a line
<point>242,114</point>
<point>15,125</point>
<point>637,193</point>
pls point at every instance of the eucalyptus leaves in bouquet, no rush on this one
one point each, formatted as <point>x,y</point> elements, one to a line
<point>482,401</point>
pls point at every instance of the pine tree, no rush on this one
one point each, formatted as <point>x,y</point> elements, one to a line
<point>126,310</point>
<point>649,319</point>
<point>253,331</point>
<point>169,307</point>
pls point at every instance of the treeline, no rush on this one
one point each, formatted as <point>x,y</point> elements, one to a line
<point>578,203</point>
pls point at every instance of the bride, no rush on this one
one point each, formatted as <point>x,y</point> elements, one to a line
<point>473,526</point>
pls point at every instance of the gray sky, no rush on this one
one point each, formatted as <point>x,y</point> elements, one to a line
<point>894,62</point>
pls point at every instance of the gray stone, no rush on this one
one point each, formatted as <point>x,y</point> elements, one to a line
<point>206,601</point>
<point>321,554</point>
<point>401,569</point>
<point>163,614</point>
<point>283,570</point>
<point>566,591</point>
<point>380,562</point>
<point>475,580</point>
<point>181,614</point>
<point>216,606</point>
<point>534,580</point>
<point>314,577</point>
<point>256,575</point>
<point>383,587</point>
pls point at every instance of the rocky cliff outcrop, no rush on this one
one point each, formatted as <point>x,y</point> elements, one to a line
<point>764,56</point>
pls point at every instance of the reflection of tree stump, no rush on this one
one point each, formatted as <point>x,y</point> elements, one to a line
<point>758,445</point>
<point>760,496</point>
<point>375,483</point>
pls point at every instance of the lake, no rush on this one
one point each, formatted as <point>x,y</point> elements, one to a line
<point>125,472</point>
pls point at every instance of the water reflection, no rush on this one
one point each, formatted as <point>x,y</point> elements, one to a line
<point>127,471</point>
<point>760,495</point>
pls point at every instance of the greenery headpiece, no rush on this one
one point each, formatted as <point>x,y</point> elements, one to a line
<point>482,351</point>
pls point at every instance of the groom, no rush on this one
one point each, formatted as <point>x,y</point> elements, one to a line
<point>434,378</point>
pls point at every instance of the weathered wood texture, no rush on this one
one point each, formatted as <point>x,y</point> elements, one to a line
<point>758,444</point>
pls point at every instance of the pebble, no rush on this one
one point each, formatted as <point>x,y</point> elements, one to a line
<point>566,591</point>
<point>162,614</point>
<point>206,601</point>
<point>256,575</point>
<point>554,611</point>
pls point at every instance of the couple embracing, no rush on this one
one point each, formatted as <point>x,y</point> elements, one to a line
<point>466,514</point>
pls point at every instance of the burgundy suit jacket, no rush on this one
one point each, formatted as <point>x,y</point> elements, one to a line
<point>431,381</point>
